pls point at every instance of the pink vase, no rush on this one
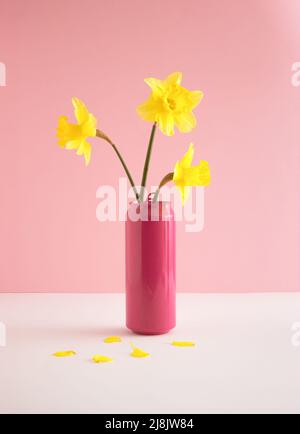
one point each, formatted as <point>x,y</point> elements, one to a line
<point>150,268</point>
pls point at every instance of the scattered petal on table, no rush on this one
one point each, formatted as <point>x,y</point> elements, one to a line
<point>183,344</point>
<point>101,359</point>
<point>64,354</point>
<point>138,353</point>
<point>112,340</point>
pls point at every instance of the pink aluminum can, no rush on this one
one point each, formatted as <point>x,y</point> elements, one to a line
<point>151,268</point>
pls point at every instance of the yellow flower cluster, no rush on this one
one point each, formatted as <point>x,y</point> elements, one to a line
<point>169,106</point>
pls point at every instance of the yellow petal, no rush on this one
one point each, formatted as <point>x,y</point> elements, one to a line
<point>101,359</point>
<point>175,78</point>
<point>185,122</point>
<point>87,153</point>
<point>112,340</point>
<point>88,129</point>
<point>187,160</point>
<point>81,111</point>
<point>65,354</point>
<point>86,150</point>
<point>183,344</point>
<point>67,132</point>
<point>166,123</point>
<point>73,144</point>
<point>155,84</point>
<point>149,111</point>
<point>198,175</point>
<point>138,353</point>
<point>195,98</point>
<point>62,129</point>
<point>184,193</point>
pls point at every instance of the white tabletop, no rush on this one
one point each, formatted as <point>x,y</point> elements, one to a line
<point>244,361</point>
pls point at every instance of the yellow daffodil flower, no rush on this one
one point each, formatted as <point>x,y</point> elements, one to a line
<point>170,105</point>
<point>73,136</point>
<point>186,175</point>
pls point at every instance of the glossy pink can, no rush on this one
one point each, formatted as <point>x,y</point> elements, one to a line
<point>151,268</point>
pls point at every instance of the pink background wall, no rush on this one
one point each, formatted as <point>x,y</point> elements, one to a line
<point>239,53</point>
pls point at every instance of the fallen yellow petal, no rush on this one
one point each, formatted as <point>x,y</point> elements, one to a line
<point>112,340</point>
<point>65,354</point>
<point>138,353</point>
<point>183,344</point>
<point>101,359</point>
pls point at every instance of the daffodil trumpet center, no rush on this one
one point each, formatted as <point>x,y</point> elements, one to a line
<point>103,136</point>
<point>171,104</point>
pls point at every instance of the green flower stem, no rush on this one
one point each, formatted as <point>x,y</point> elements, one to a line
<point>103,136</point>
<point>168,178</point>
<point>147,162</point>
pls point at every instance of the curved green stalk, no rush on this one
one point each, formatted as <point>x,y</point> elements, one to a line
<point>168,178</point>
<point>103,136</point>
<point>147,162</point>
